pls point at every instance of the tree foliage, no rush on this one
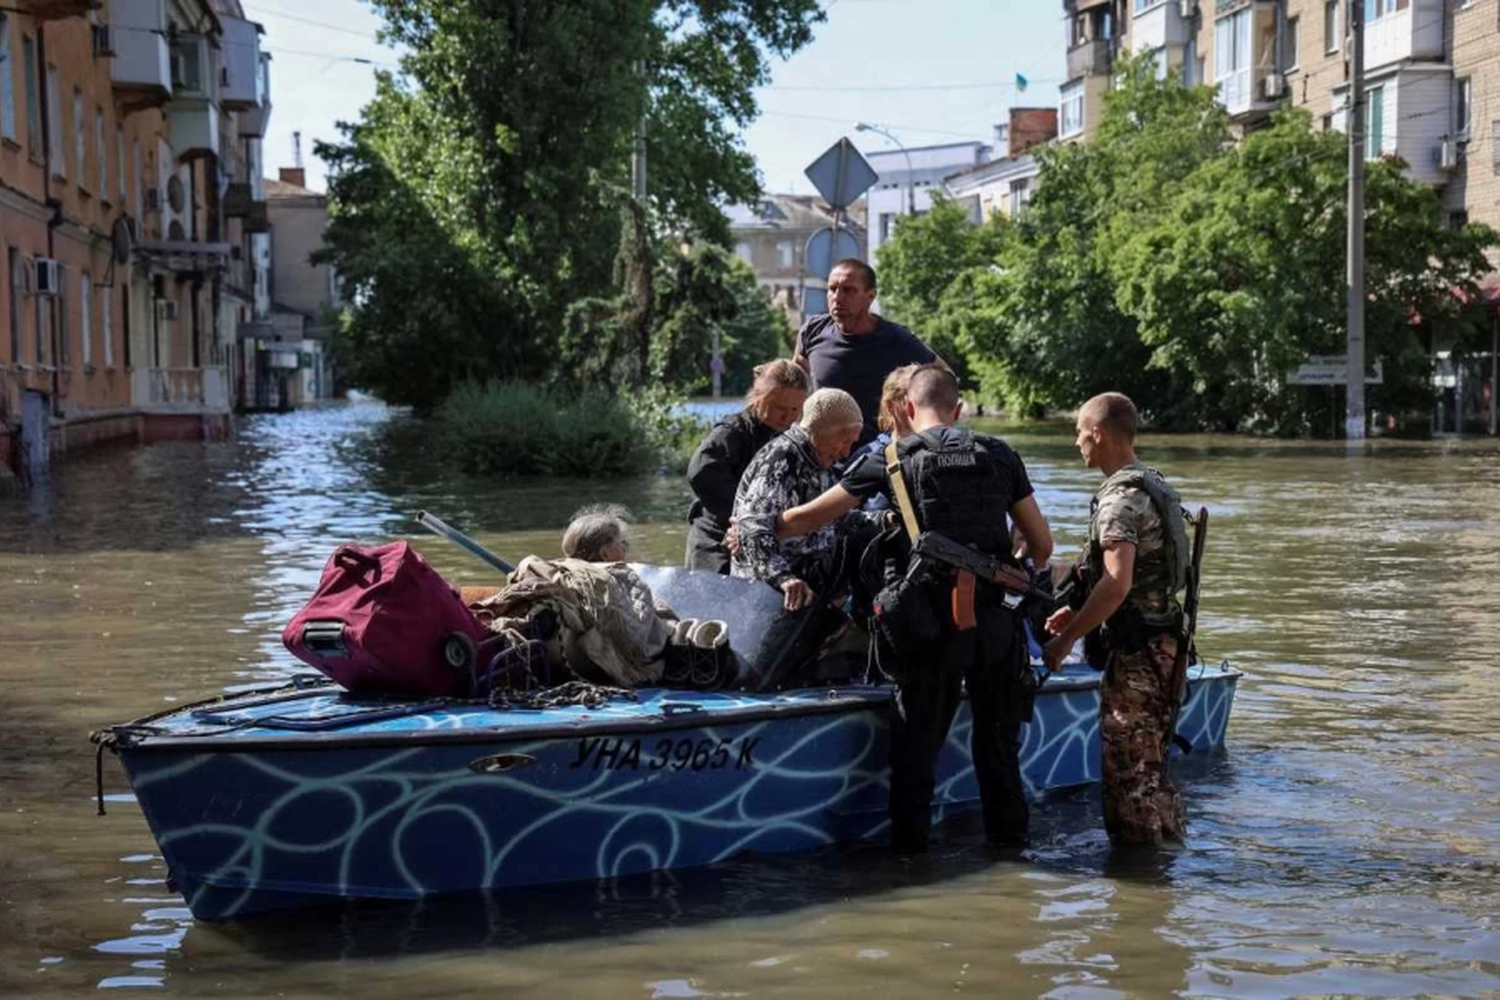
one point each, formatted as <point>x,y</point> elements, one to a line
<point>1169,261</point>
<point>481,194</point>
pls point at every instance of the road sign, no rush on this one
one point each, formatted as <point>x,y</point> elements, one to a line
<point>827,247</point>
<point>1331,369</point>
<point>814,301</point>
<point>841,174</point>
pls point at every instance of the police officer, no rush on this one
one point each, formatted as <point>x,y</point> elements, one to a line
<point>1136,562</point>
<point>963,486</point>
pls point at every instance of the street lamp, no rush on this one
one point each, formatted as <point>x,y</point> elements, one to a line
<point>911,189</point>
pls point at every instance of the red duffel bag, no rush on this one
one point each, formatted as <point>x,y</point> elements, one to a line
<point>384,622</point>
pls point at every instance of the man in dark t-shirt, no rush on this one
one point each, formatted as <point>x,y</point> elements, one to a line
<point>853,349</point>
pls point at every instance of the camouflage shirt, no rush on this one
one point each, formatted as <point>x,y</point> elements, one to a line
<point>1125,513</point>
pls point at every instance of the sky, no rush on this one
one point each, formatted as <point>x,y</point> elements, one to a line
<point>928,71</point>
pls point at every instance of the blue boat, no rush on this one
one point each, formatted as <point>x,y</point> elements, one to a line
<point>271,799</point>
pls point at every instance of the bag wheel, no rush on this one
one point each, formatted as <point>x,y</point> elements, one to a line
<point>459,651</point>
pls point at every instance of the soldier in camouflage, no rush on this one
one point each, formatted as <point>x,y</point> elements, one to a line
<point>1136,563</point>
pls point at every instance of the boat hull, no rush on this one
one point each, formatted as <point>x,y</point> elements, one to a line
<point>263,804</point>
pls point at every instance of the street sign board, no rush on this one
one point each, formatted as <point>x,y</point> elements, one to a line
<point>841,174</point>
<point>1331,369</point>
<point>827,247</point>
<point>814,301</point>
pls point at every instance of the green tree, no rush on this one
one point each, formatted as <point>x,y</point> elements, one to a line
<point>482,192</point>
<point>923,258</point>
<point>704,291</point>
<point>1167,261</point>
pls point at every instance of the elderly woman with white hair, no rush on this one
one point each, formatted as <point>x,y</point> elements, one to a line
<point>789,471</point>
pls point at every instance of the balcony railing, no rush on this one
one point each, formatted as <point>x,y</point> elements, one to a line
<point>189,389</point>
<point>1089,59</point>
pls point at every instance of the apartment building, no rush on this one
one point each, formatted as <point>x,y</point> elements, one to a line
<point>1432,75</point>
<point>908,179</point>
<point>1005,184</point>
<point>129,214</point>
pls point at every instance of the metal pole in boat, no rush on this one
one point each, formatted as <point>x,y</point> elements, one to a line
<point>437,526</point>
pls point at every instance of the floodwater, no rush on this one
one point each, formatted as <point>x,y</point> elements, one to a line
<point>1348,841</point>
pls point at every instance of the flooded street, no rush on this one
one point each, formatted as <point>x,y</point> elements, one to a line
<point>1348,841</point>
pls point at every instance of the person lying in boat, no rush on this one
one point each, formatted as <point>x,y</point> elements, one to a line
<point>612,629</point>
<point>794,469</point>
<point>773,404</point>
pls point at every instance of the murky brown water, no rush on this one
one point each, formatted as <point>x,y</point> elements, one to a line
<point>1348,842</point>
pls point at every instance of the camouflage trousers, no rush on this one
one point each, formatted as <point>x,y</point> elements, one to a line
<point>1141,806</point>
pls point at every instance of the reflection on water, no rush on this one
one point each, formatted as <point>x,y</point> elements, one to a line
<point>1348,842</point>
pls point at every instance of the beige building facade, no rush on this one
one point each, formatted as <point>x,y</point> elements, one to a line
<point>129,150</point>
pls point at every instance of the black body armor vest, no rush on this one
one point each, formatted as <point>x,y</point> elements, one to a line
<point>957,489</point>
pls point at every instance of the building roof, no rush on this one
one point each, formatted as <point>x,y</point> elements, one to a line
<point>1024,165</point>
<point>780,211</point>
<point>279,190</point>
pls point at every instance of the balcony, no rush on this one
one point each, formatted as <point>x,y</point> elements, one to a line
<point>240,70</point>
<point>1158,26</point>
<point>1090,58</point>
<point>1413,33</point>
<point>194,126</point>
<point>255,118</point>
<point>141,69</point>
<point>188,390</point>
<point>1248,82</point>
<point>53,10</point>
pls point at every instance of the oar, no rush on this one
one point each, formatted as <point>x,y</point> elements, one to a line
<point>437,526</point>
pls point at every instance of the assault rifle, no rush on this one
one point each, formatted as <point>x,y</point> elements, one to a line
<point>932,547</point>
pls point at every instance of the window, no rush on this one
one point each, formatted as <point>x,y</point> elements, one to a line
<point>1463,107</point>
<point>742,251</point>
<point>1376,9</point>
<point>1232,59</point>
<point>17,282</point>
<point>7,82</point>
<point>785,254</point>
<point>1457,220</point>
<point>1020,194</point>
<point>1141,6</point>
<point>1070,110</point>
<point>54,137</point>
<point>99,148</point>
<point>86,313</point>
<point>80,139</point>
<point>187,64</point>
<point>1159,59</point>
<point>120,162</point>
<point>1333,25</point>
<point>135,178</point>
<point>1291,44</point>
<point>33,106</point>
<point>1375,143</point>
<point>107,321</point>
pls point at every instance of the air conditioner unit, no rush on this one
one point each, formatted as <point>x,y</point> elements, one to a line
<point>48,280</point>
<point>1273,87</point>
<point>1447,155</point>
<point>153,199</point>
<point>104,46</point>
<point>168,309</point>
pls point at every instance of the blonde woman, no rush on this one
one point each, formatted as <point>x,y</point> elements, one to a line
<point>773,404</point>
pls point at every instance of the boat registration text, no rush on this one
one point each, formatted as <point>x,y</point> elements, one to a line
<point>603,753</point>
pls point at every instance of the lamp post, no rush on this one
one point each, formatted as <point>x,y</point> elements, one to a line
<point>911,190</point>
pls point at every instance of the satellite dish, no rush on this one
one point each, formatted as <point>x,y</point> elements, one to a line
<point>122,237</point>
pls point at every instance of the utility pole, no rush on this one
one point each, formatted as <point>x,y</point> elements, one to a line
<point>638,152</point>
<point>1354,412</point>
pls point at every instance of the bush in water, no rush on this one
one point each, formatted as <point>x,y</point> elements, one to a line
<point>517,428</point>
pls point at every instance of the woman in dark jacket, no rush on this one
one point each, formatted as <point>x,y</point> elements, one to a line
<point>773,404</point>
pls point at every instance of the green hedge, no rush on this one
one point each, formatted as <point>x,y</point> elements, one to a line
<point>519,428</point>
